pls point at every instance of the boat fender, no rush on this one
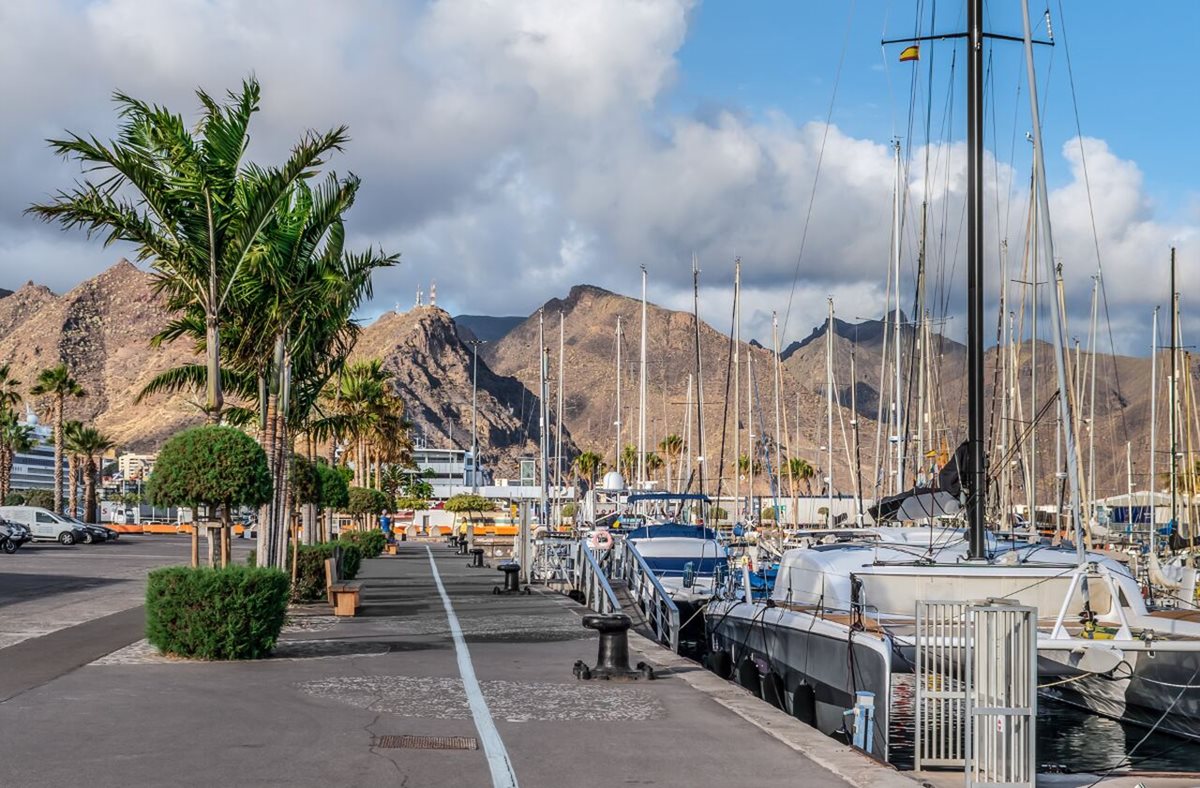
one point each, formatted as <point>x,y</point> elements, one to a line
<point>773,690</point>
<point>748,677</point>
<point>601,540</point>
<point>804,704</point>
<point>720,663</point>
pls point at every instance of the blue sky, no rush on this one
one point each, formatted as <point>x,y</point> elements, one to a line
<point>1134,67</point>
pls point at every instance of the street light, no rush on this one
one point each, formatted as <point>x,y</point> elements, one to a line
<point>475,343</point>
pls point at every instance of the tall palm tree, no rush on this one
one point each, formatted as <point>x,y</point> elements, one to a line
<point>628,460</point>
<point>15,438</point>
<point>199,208</point>
<point>10,390</point>
<point>57,384</point>
<point>671,448</point>
<point>587,465</point>
<point>653,463</point>
<point>71,447</point>
<point>799,470</point>
<point>92,446</point>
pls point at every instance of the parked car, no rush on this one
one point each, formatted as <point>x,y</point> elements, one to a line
<point>44,524</point>
<point>95,531</point>
<point>12,536</point>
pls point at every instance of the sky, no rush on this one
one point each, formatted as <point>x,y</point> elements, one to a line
<point>510,150</point>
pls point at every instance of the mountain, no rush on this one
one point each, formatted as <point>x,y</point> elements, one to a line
<point>589,319</point>
<point>484,327</point>
<point>431,368</point>
<point>102,329</point>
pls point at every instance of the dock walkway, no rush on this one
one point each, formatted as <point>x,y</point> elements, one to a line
<point>436,656</point>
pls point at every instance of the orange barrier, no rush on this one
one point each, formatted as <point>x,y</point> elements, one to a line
<point>124,529</point>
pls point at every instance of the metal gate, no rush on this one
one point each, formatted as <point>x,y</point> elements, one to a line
<point>1002,695</point>
<point>941,702</point>
<point>976,698</point>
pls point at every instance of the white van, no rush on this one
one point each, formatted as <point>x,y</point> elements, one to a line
<point>43,524</point>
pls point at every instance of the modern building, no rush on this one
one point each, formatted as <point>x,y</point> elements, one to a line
<point>135,466</point>
<point>448,468</point>
<point>34,469</point>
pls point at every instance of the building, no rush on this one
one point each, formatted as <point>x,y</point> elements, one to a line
<point>135,466</point>
<point>34,469</point>
<point>447,469</point>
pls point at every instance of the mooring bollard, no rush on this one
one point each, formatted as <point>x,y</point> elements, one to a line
<point>462,545</point>
<point>512,579</point>
<point>612,660</point>
<point>476,558</point>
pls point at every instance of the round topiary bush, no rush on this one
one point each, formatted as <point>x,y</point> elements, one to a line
<point>232,613</point>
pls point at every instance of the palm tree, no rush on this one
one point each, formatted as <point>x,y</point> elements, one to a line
<point>10,393</point>
<point>799,470</point>
<point>56,382</point>
<point>199,209</point>
<point>628,460</point>
<point>587,465</point>
<point>15,438</point>
<point>91,444</point>
<point>71,430</point>
<point>671,448</point>
<point>653,463</point>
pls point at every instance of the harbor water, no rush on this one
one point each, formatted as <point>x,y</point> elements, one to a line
<point>1069,740</point>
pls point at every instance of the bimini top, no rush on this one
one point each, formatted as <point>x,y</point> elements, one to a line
<point>676,530</point>
<point>668,496</point>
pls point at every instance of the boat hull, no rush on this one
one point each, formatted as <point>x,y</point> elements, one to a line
<point>796,651</point>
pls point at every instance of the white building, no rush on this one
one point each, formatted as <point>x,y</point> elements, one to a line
<point>34,469</point>
<point>136,466</point>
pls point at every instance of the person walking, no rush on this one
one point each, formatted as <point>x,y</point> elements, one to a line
<point>385,525</point>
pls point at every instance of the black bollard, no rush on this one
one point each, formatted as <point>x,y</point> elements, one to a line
<point>476,558</point>
<point>462,545</point>
<point>512,579</point>
<point>612,660</point>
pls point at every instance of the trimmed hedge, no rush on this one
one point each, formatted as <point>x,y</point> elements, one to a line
<point>310,567</point>
<point>371,542</point>
<point>231,613</point>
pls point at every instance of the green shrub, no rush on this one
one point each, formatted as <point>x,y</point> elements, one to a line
<point>310,567</point>
<point>365,500</point>
<point>231,613</point>
<point>370,542</point>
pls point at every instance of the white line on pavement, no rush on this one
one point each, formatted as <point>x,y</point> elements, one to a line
<point>503,775</point>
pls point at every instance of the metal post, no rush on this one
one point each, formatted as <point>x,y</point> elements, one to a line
<point>475,343</point>
<point>975,196</point>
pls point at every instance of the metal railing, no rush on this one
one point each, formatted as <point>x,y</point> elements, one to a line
<point>941,707</point>
<point>661,612</point>
<point>575,565</point>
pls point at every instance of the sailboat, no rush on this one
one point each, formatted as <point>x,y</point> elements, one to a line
<point>841,617</point>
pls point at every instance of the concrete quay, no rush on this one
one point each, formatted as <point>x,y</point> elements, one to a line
<point>433,655</point>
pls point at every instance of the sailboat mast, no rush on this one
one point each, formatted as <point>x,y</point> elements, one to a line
<point>1172,403</point>
<point>641,441</point>
<point>1060,333</point>
<point>737,388</point>
<point>829,415</point>
<point>1153,427</point>
<point>897,395</point>
<point>617,456</point>
<point>976,502</point>
<point>778,435</point>
<point>700,459</point>
<point>544,396</point>
<point>558,414</point>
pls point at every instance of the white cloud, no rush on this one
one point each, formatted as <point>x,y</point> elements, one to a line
<point>512,149</point>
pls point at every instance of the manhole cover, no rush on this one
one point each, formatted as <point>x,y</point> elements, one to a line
<point>427,742</point>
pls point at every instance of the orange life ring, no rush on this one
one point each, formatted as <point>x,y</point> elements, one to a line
<point>601,540</point>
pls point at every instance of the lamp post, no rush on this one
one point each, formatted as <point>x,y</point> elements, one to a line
<point>475,343</point>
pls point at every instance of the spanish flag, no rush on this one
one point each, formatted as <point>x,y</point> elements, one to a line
<point>910,53</point>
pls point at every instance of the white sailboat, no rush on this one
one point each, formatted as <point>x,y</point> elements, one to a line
<point>841,617</point>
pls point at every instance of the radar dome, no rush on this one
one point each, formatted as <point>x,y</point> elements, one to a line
<point>613,481</point>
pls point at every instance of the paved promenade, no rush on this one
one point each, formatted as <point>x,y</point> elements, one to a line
<point>330,706</point>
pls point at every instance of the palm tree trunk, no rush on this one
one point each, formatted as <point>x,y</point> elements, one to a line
<point>89,490</point>
<point>212,346</point>
<point>58,452</point>
<point>72,483</point>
